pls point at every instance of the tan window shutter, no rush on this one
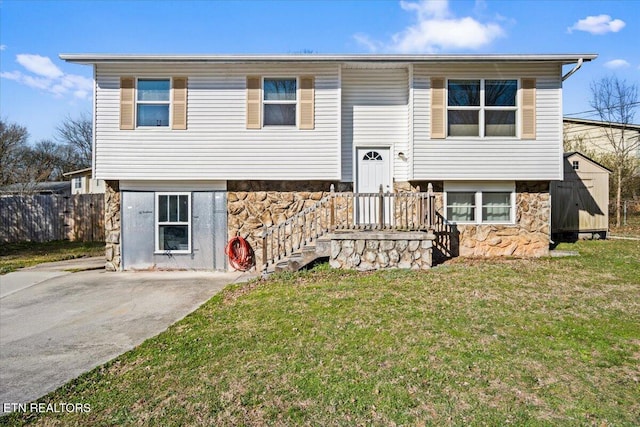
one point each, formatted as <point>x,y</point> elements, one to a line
<point>528,130</point>
<point>254,102</point>
<point>307,103</point>
<point>127,102</point>
<point>438,108</point>
<point>179,103</point>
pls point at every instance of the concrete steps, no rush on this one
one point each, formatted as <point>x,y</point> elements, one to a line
<point>309,253</point>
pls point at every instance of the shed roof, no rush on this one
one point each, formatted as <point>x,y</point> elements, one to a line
<point>571,153</point>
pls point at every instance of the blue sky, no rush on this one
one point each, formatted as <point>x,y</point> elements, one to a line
<point>38,90</point>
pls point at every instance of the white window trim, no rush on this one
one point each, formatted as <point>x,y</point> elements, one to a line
<point>482,108</point>
<point>296,102</point>
<point>157,223</point>
<point>135,109</point>
<point>479,188</point>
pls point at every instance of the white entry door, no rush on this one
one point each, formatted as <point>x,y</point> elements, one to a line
<point>373,170</point>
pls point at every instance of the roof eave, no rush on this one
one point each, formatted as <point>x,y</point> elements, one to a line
<point>146,58</point>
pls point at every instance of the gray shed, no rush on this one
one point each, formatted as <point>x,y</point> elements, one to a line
<point>580,203</point>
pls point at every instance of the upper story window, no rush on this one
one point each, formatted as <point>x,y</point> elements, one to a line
<point>285,102</point>
<point>77,183</point>
<point>153,100</point>
<point>482,108</point>
<point>280,101</point>
<point>575,165</point>
<point>147,103</point>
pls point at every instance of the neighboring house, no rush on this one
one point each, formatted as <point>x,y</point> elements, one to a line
<point>580,202</point>
<point>195,149</point>
<point>591,135</point>
<point>82,182</point>
<point>61,188</point>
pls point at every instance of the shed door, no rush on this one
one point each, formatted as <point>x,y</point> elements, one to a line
<point>373,171</point>
<point>574,207</point>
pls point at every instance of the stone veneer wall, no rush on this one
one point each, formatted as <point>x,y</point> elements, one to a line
<point>370,250</point>
<point>528,237</point>
<point>112,225</point>
<point>252,205</point>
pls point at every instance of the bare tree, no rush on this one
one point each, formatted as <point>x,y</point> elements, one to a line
<point>45,161</point>
<point>78,134</point>
<point>13,141</point>
<point>615,101</point>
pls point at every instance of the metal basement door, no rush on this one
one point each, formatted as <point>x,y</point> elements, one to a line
<point>373,170</point>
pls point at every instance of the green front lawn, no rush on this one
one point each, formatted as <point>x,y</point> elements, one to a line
<point>553,341</point>
<point>25,254</point>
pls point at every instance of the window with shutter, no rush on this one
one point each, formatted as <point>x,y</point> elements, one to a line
<point>148,102</point>
<point>280,101</point>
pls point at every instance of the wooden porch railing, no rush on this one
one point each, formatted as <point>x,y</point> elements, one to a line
<point>346,211</point>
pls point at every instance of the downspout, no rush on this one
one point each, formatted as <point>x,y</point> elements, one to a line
<point>565,77</point>
<point>576,68</point>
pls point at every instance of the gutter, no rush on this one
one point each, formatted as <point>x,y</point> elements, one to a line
<point>265,58</point>
<point>576,68</point>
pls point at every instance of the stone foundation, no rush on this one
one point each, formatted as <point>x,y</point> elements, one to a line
<point>253,205</point>
<point>528,237</point>
<point>112,225</point>
<point>369,250</point>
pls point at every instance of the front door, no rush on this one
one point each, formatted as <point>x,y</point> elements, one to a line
<point>373,170</point>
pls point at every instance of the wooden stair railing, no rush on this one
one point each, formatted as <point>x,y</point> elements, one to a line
<point>348,212</point>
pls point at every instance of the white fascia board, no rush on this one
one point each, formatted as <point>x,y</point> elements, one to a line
<point>89,58</point>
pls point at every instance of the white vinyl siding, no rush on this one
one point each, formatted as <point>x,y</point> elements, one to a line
<point>375,113</point>
<point>502,158</point>
<point>217,144</point>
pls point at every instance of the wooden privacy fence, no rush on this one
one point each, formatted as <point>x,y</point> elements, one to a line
<point>42,218</point>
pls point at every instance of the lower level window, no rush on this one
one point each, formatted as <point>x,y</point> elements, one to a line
<point>461,207</point>
<point>480,206</point>
<point>496,207</point>
<point>173,222</point>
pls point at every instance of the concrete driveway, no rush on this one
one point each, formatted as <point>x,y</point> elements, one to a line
<point>56,325</point>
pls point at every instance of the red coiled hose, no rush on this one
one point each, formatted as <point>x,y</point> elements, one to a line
<point>240,254</point>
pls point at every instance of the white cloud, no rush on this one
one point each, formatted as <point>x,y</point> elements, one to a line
<point>437,28</point>
<point>3,47</point>
<point>367,42</point>
<point>617,63</point>
<point>46,76</point>
<point>598,25</point>
<point>40,65</point>
<point>11,75</point>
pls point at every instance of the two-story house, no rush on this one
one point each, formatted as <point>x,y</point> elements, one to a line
<point>195,149</point>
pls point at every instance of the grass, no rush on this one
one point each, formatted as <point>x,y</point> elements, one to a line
<point>631,229</point>
<point>25,254</point>
<point>552,341</point>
